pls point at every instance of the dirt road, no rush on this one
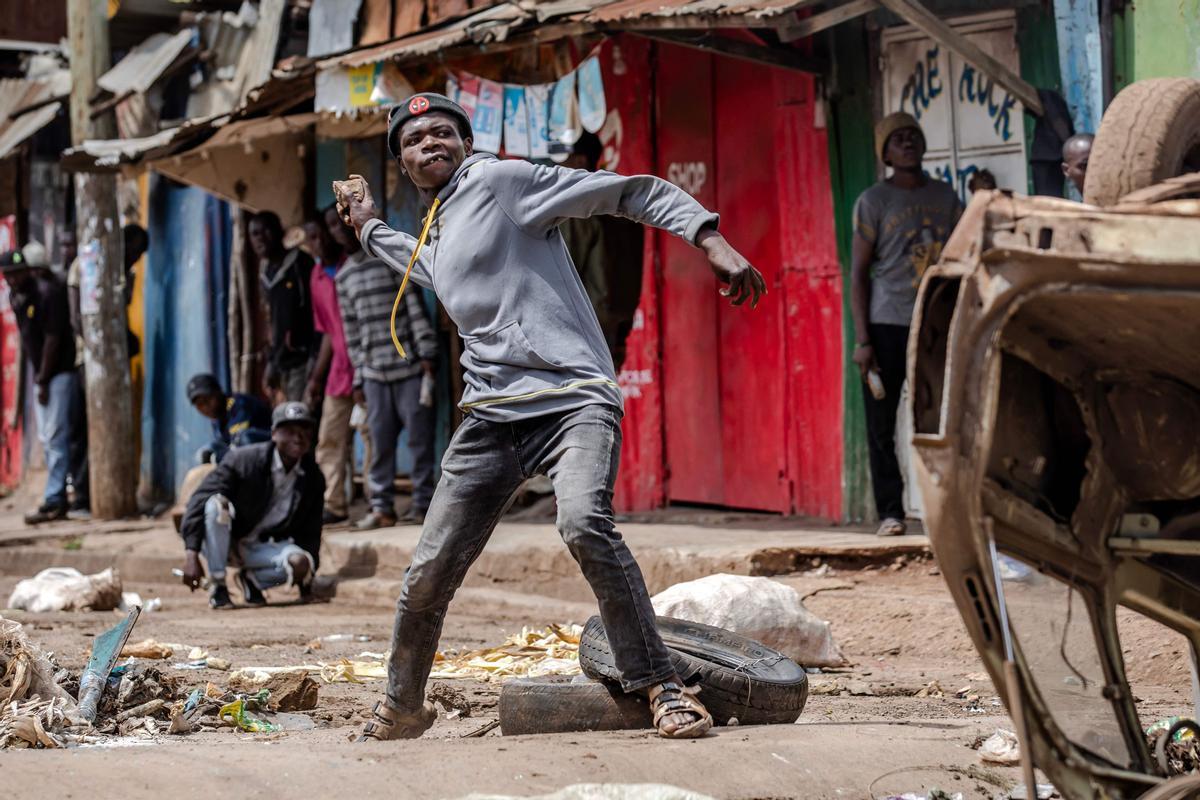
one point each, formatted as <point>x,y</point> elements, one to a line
<point>865,728</point>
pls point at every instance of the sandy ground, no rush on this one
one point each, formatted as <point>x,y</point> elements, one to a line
<point>865,731</point>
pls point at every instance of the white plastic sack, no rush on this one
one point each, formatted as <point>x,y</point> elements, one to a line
<point>1001,748</point>
<point>757,608</point>
<point>67,589</point>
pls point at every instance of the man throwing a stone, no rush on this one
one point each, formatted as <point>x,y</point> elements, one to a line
<point>541,393</point>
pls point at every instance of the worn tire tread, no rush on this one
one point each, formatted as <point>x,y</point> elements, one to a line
<point>753,700</point>
<point>1145,132</point>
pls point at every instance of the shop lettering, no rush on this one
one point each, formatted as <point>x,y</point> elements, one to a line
<point>923,85</point>
<point>631,381</point>
<point>688,175</point>
<point>975,87</point>
<point>958,178</point>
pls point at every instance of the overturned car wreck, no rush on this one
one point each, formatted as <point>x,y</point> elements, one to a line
<point>1055,374</point>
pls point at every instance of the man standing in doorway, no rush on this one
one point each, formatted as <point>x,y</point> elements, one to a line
<point>333,374</point>
<point>39,300</point>
<point>388,384</point>
<point>1075,153</point>
<point>285,280</point>
<point>900,226</point>
<point>541,393</point>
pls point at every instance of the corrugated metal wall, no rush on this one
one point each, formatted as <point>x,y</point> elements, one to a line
<point>186,296</point>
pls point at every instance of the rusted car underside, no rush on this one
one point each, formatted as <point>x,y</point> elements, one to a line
<point>1055,374</point>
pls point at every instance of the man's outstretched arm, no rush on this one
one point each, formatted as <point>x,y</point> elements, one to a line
<point>538,198</point>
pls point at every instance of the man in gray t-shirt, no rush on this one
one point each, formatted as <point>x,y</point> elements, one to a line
<point>900,226</point>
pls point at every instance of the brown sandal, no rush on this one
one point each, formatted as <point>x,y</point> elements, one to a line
<point>388,723</point>
<point>671,698</point>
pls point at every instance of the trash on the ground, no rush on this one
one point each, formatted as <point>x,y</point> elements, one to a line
<point>343,671</point>
<point>452,701</point>
<point>197,653</point>
<point>1164,725</point>
<point>755,607</point>
<point>932,689</point>
<point>213,662</point>
<point>131,599</point>
<point>934,794</point>
<point>289,691</point>
<point>146,709</point>
<point>105,649</point>
<point>859,689</point>
<point>1045,791</point>
<point>67,589</point>
<point>148,648</point>
<point>1001,748</point>
<point>237,713</point>
<point>824,687</point>
<point>35,711</point>
<point>530,653</point>
<point>605,791</point>
<point>333,638</point>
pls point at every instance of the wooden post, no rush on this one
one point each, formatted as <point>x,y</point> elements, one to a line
<point>111,446</point>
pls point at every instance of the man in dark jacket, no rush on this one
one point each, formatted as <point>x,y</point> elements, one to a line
<point>264,503</point>
<point>237,419</point>
<point>285,279</point>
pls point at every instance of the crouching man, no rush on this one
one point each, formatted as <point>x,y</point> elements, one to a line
<point>261,506</point>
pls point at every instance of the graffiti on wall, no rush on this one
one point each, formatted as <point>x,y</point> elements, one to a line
<point>924,84</point>
<point>975,87</point>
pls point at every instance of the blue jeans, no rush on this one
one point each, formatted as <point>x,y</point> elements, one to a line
<point>57,421</point>
<point>266,561</point>
<point>484,466</point>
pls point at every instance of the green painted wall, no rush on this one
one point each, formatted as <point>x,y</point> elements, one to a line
<point>1165,39</point>
<point>852,169</point>
<point>1037,41</point>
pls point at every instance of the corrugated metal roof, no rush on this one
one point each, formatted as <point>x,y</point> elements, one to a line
<point>24,126</point>
<point>143,65</point>
<point>489,25</point>
<point>16,95</point>
<point>495,24</point>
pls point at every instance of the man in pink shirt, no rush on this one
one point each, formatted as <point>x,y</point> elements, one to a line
<point>333,374</point>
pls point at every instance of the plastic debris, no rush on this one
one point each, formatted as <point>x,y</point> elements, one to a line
<point>67,589</point>
<point>105,649</point>
<point>333,638</point>
<point>236,713</point>
<point>1164,725</point>
<point>530,653</point>
<point>148,648</point>
<point>1001,748</point>
<point>289,691</point>
<point>758,608</point>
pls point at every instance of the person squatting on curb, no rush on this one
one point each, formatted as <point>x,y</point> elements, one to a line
<point>541,394</point>
<point>262,505</point>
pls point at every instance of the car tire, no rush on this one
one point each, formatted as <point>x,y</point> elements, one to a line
<point>1149,133</point>
<point>739,678</point>
<point>558,704</point>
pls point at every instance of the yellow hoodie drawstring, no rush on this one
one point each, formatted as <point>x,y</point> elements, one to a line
<point>404,282</point>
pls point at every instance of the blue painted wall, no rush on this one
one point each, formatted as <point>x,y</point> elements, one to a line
<point>186,299</point>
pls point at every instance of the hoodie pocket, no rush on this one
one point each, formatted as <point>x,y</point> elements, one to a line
<point>493,355</point>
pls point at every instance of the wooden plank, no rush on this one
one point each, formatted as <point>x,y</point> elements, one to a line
<point>406,17</point>
<point>921,18</point>
<point>743,51</point>
<point>376,22</point>
<point>827,19</point>
<point>1147,546</point>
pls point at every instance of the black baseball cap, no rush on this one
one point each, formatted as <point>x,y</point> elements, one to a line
<point>291,412</point>
<point>203,384</point>
<point>13,261</point>
<point>418,105</point>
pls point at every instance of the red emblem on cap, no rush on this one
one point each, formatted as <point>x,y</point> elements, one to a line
<point>418,105</point>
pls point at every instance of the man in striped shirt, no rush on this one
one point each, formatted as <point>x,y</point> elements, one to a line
<point>388,384</point>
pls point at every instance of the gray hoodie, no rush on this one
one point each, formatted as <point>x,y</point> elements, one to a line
<point>498,264</point>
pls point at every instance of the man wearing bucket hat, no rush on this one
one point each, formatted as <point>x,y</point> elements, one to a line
<point>900,226</point>
<point>541,393</point>
<point>262,503</point>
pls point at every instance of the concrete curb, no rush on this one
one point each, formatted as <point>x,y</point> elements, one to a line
<point>519,558</point>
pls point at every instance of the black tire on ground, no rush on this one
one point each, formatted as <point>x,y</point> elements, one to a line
<point>1149,133</point>
<point>738,676</point>
<point>558,704</point>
